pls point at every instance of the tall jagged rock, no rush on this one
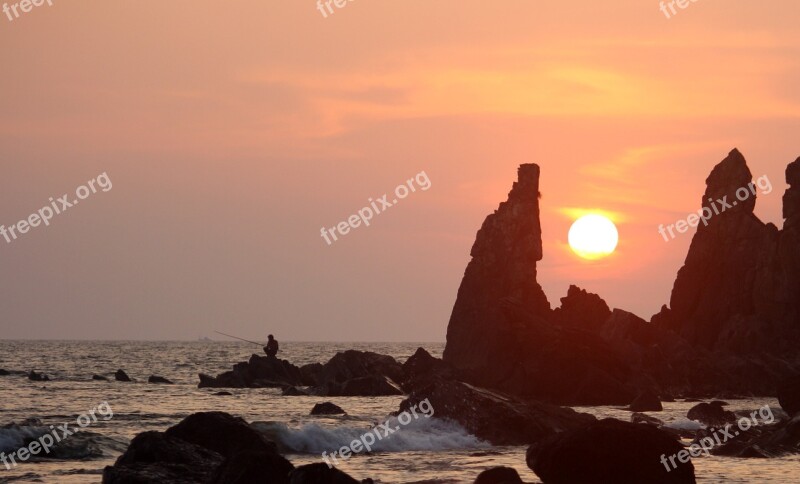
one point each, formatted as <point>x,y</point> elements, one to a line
<point>739,289</point>
<point>500,281</point>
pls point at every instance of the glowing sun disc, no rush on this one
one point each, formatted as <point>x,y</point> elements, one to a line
<point>593,236</point>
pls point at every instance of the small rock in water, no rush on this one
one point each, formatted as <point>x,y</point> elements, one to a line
<point>647,401</point>
<point>33,376</point>
<point>642,418</point>
<point>99,378</point>
<point>499,475</point>
<point>327,408</point>
<point>159,379</point>
<point>4,372</point>
<point>711,414</point>
<point>120,375</point>
<point>223,394</point>
<point>293,392</point>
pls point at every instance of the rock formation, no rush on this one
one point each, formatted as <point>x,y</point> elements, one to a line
<point>732,327</point>
<point>500,280</point>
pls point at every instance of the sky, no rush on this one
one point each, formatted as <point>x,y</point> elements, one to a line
<point>231,133</point>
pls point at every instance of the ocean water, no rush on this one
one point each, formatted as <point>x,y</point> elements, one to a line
<point>423,450</point>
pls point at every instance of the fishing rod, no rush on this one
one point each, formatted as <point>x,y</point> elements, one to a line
<point>236,337</point>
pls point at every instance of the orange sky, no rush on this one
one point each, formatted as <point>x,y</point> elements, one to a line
<point>234,131</point>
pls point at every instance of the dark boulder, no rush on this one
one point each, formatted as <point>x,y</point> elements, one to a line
<point>154,457</point>
<point>258,372</point>
<point>351,364</point>
<point>320,473</point>
<point>370,386</point>
<point>120,375</point>
<point>327,408</point>
<point>159,380</point>
<point>293,392</point>
<point>789,396</point>
<point>581,309</point>
<point>492,416</point>
<point>222,394</point>
<point>250,466</point>
<point>711,414</point>
<point>591,455</point>
<point>33,376</point>
<point>499,475</point>
<point>212,447</point>
<point>220,432</point>
<point>99,378</point>
<point>4,372</point>
<point>421,367</point>
<point>647,401</point>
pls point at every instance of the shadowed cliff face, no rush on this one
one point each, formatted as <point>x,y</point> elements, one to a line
<point>738,289</point>
<point>500,280</point>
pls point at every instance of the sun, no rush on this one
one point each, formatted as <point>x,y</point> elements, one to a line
<point>593,236</point>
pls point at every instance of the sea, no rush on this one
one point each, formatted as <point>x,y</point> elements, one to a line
<point>425,450</point>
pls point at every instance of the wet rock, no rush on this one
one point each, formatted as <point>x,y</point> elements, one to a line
<point>646,402</point>
<point>222,394</point>
<point>258,372</point>
<point>99,378</point>
<point>120,375</point>
<point>645,419</point>
<point>499,475</point>
<point>159,380</point>
<point>33,376</point>
<point>321,473</point>
<point>352,364</point>
<point>711,414</point>
<point>492,416</point>
<point>293,392</point>
<point>789,396</point>
<point>154,457</point>
<point>764,441</point>
<point>591,455</point>
<point>4,372</point>
<point>421,367</point>
<point>212,447</point>
<point>327,408</point>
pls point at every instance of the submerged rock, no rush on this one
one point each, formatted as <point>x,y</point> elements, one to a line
<point>120,375</point>
<point>159,380</point>
<point>99,378</point>
<point>593,455</point>
<point>4,372</point>
<point>499,475</point>
<point>327,408</point>
<point>33,376</point>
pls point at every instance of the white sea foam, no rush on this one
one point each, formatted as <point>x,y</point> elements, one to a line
<point>423,434</point>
